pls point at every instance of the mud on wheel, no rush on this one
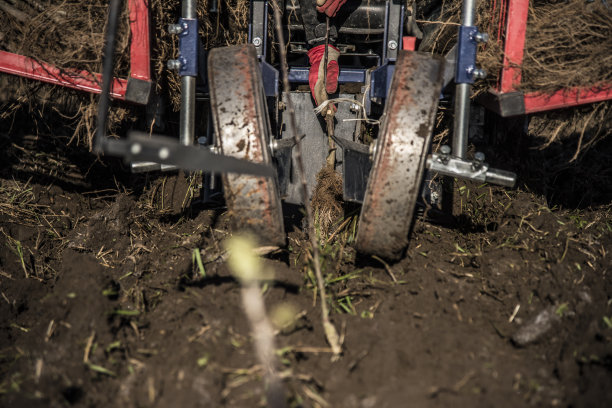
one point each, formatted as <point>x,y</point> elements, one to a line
<point>401,148</point>
<point>242,130</point>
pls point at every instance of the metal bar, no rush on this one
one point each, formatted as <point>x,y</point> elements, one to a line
<point>82,80</point>
<point>467,170</point>
<point>467,13</point>
<point>107,72</point>
<point>140,65</point>
<point>188,89</point>
<point>393,23</point>
<point>462,96</point>
<point>300,75</point>
<point>140,45</point>
<point>462,118</point>
<point>514,45</point>
<point>258,26</point>
<point>537,102</point>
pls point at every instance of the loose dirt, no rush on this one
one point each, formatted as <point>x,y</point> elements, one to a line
<point>102,303</point>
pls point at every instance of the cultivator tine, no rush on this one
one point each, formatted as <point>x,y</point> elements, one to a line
<point>142,147</point>
<point>159,150</point>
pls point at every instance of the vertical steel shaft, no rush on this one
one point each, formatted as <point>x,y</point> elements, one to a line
<point>462,120</point>
<point>187,118</point>
<point>188,88</point>
<point>462,95</point>
<point>107,73</point>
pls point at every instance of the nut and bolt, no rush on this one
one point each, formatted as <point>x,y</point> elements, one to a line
<point>176,29</point>
<point>373,149</point>
<point>481,37</point>
<point>256,41</point>
<point>479,73</point>
<point>273,146</point>
<point>164,153</point>
<point>136,148</point>
<point>175,64</point>
<point>392,45</point>
<point>445,151</point>
<point>354,107</point>
<point>479,158</point>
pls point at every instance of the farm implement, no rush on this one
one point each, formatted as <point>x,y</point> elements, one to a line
<point>380,141</point>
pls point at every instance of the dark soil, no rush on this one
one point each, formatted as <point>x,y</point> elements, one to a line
<point>507,304</point>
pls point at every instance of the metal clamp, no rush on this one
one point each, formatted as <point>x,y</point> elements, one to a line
<point>476,170</point>
<point>467,42</point>
<point>187,62</point>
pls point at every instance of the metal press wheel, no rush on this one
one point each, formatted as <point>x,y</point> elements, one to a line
<point>242,130</point>
<point>400,156</point>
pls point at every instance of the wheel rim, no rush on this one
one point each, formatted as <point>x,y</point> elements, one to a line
<point>242,127</point>
<point>397,172</point>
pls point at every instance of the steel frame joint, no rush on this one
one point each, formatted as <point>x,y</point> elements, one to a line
<point>466,54</point>
<point>188,47</point>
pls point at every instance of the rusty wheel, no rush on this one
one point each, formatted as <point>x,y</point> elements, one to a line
<point>242,130</point>
<point>399,162</point>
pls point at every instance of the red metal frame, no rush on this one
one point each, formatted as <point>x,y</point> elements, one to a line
<point>511,72</point>
<point>140,61</point>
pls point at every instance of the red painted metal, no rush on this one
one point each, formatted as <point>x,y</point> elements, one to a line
<point>83,80</point>
<point>537,102</point>
<point>409,43</point>
<point>514,45</point>
<point>140,61</point>
<point>140,46</point>
<point>510,78</point>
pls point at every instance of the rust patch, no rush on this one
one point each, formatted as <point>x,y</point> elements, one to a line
<point>240,145</point>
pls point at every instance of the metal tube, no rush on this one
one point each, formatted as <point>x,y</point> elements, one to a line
<point>467,14</point>
<point>188,88</point>
<point>462,95</point>
<point>189,9</point>
<point>462,120</point>
<point>107,73</point>
<point>501,177</point>
<point>187,117</point>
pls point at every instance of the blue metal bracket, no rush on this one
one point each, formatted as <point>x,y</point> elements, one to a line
<point>188,47</point>
<point>299,75</point>
<point>466,54</point>
<point>270,78</point>
<point>381,81</point>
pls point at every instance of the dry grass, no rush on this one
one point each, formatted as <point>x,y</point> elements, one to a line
<point>327,200</point>
<point>568,45</point>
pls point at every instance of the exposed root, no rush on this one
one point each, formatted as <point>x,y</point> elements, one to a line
<point>327,199</point>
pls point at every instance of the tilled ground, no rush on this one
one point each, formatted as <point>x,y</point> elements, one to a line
<point>103,304</point>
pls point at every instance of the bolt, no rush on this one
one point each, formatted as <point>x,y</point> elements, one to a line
<point>136,148</point>
<point>257,41</point>
<point>481,37</point>
<point>392,45</point>
<point>445,152</point>
<point>354,108</point>
<point>164,153</point>
<point>175,29</point>
<point>479,73</point>
<point>273,146</point>
<point>373,149</point>
<point>281,106</point>
<point>175,64</point>
<point>479,158</point>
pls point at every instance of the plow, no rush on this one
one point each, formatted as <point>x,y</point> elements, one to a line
<point>377,137</point>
